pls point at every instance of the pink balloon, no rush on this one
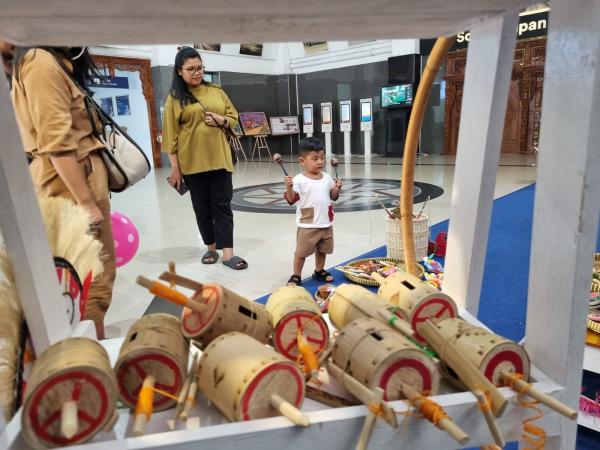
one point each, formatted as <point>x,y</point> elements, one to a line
<point>126,237</point>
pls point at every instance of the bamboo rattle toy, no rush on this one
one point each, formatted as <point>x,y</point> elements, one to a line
<point>277,159</point>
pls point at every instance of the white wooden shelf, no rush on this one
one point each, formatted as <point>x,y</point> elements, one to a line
<point>591,359</point>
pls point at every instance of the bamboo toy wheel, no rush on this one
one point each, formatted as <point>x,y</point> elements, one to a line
<point>294,310</point>
<point>75,369</point>
<point>153,346</point>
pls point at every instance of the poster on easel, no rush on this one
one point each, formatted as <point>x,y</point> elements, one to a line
<point>285,125</point>
<point>254,124</point>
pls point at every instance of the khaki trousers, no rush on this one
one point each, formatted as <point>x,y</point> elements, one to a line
<point>100,294</point>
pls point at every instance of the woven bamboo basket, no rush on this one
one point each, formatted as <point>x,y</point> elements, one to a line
<point>369,282</point>
<point>395,243</point>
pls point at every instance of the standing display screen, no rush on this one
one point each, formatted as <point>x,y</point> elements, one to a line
<point>326,113</point>
<point>365,112</point>
<point>307,115</point>
<point>345,113</point>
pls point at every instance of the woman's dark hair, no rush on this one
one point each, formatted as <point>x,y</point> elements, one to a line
<point>179,88</point>
<point>84,67</point>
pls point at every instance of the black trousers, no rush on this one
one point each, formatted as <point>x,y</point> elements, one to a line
<point>211,194</point>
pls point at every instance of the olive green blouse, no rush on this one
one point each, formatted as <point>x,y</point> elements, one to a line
<point>199,147</point>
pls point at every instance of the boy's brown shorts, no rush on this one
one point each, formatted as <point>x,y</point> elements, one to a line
<point>310,239</point>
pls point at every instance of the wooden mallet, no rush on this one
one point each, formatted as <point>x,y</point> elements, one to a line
<point>334,164</point>
<point>279,160</point>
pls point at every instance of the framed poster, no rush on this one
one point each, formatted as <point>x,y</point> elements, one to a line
<point>254,123</point>
<point>107,106</point>
<point>284,125</point>
<point>123,105</point>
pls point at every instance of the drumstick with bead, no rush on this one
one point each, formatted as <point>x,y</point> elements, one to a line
<point>186,387</point>
<point>334,164</point>
<point>485,407</point>
<point>279,160</point>
<point>191,393</point>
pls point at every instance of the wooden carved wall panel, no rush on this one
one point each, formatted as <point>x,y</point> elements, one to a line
<point>521,127</point>
<point>113,63</point>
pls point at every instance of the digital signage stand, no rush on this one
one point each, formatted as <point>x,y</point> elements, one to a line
<point>346,126</point>
<point>366,123</point>
<point>327,125</point>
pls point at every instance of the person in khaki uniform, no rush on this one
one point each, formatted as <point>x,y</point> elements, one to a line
<point>196,117</point>
<point>57,135</point>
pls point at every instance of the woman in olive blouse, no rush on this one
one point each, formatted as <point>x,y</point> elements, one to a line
<point>195,117</point>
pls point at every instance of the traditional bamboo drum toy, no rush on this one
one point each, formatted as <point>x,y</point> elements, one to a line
<point>154,346</point>
<point>295,312</point>
<point>212,310</point>
<point>417,299</point>
<point>241,376</point>
<point>490,353</point>
<point>378,356</point>
<point>227,311</point>
<point>350,302</point>
<point>71,395</point>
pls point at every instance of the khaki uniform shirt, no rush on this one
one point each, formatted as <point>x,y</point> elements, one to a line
<point>199,147</point>
<point>51,114</point>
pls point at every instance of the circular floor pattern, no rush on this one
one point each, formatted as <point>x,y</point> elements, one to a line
<point>357,195</point>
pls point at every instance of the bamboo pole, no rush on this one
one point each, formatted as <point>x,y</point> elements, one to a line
<point>367,430</point>
<point>436,58</point>
<point>361,392</point>
<point>520,385</point>
<point>289,411</point>
<point>171,295</point>
<point>180,281</point>
<point>467,372</point>
<point>446,424</point>
<point>489,418</point>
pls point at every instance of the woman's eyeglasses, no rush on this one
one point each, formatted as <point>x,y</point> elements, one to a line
<point>194,70</point>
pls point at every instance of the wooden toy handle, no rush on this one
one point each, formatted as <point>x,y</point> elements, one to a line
<point>550,402</point>
<point>189,401</point>
<point>68,419</point>
<point>489,418</point>
<point>468,373</point>
<point>445,424</point>
<point>396,322</point>
<point>165,292</point>
<point>180,281</point>
<point>288,410</point>
<point>361,392</point>
<point>143,408</point>
<point>367,430</point>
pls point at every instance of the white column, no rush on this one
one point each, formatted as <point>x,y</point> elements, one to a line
<point>367,136</point>
<point>567,199</point>
<point>347,147</point>
<point>487,78</point>
<point>25,238</point>
<point>327,144</point>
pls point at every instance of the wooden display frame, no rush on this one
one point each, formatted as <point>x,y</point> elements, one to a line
<point>566,207</point>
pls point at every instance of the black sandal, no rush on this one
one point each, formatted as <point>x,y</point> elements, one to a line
<point>294,280</point>
<point>322,275</point>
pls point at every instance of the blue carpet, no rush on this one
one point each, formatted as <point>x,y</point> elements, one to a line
<point>503,302</point>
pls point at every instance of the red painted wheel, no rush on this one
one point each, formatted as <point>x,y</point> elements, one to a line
<point>195,323</point>
<point>438,308</point>
<point>315,330</point>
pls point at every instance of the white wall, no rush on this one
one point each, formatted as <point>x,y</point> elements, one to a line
<point>137,123</point>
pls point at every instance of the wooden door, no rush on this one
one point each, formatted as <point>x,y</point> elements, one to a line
<point>112,63</point>
<point>523,112</point>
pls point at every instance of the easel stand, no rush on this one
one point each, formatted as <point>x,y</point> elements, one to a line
<point>260,143</point>
<point>236,146</point>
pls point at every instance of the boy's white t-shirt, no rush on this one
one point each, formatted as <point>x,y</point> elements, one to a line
<point>314,194</point>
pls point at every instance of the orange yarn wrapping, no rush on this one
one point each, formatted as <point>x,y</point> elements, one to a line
<point>376,409</point>
<point>532,434</point>
<point>306,354</point>
<point>430,410</point>
<point>145,400</point>
<point>487,405</point>
<point>165,393</point>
